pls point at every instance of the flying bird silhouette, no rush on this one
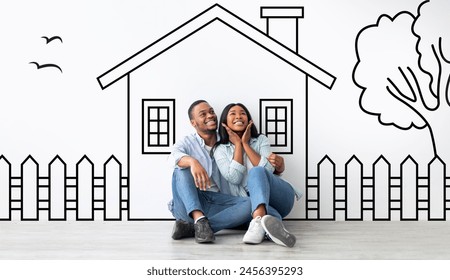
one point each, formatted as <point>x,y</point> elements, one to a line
<point>48,40</point>
<point>46,65</point>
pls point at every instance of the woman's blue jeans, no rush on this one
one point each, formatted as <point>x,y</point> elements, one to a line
<point>268,189</point>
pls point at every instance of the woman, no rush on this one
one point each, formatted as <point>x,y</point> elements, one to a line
<point>242,155</point>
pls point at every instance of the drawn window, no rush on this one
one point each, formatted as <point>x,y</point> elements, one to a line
<point>158,127</point>
<point>276,123</point>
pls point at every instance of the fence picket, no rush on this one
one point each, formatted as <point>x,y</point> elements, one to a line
<point>85,189</point>
<point>57,189</point>
<point>5,189</point>
<point>381,185</point>
<point>409,189</point>
<point>113,175</point>
<point>326,174</point>
<point>30,189</point>
<point>354,189</point>
<point>436,191</point>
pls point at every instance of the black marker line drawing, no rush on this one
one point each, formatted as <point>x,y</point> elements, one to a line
<point>403,63</point>
<point>50,39</point>
<point>277,123</point>
<point>158,125</point>
<point>413,71</point>
<point>416,76</point>
<point>379,197</point>
<point>61,196</point>
<point>279,127</point>
<point>210,15</point>
<point>48,65</point>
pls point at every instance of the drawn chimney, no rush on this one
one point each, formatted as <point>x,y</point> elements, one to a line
<point>281,23</point>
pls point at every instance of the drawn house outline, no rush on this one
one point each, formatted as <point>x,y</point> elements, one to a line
<point>215,13</point>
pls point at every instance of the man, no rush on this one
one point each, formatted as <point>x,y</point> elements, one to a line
<point>201,202</point>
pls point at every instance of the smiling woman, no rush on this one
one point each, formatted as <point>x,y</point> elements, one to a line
<point>235,117</point>
<point>242,156</point>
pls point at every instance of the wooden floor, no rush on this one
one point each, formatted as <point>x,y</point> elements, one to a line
<point>316,240</point>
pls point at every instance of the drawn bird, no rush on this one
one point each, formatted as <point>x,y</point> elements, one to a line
<point>48,40</point>
<point>46,65</point>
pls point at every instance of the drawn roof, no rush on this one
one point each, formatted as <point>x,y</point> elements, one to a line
<point>215,12</point>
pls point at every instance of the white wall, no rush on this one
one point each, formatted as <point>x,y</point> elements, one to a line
<point>45,113</point>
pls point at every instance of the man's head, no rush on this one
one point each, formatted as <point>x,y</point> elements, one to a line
<point>203,118</point>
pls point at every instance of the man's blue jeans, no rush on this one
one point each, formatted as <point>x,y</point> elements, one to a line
<point>268,189</point>
<point>223,211</point>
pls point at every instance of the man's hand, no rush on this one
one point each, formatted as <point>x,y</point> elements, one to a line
<point>200,176</point>
<point>277,162</point>
<point>199,173</point>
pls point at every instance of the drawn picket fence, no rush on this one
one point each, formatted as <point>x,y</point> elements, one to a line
<point>58,197</point>
<point>379,197</point>
<point>85,196</point>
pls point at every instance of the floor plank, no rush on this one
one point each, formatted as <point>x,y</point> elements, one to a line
<point>316,240</point>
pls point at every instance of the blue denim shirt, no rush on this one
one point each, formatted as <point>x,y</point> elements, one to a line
<point>236,173</point>
<point>194,146</point>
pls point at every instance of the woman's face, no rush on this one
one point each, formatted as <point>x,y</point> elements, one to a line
<point>237,119</point>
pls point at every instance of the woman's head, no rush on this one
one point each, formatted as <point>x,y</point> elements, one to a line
<point>237,117</point>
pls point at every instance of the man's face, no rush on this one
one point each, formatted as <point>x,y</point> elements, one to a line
<point>204,118</point>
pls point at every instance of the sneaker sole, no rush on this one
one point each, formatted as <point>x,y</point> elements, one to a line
<point>276,231</point>
<point>252,241</point>
<point>206,240</point>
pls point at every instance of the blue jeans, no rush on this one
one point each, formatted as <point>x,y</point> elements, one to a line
<point>274,193</point>
<point>222,210</point>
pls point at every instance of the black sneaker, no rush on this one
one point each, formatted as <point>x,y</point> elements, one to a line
<point>277,233</point>
<point>182,229</point>
<point>203,231</point>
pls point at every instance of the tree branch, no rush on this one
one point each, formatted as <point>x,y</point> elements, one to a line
<point>394,90</point>
<point>397,94</point>
<point>414,99</point>
<point>418,107</point>
<point>441,53</point>
<point>445,79</point>
<point>420,92</point>
<point>440,96</point>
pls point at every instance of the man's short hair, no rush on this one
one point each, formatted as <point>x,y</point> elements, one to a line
<point>191,108</point>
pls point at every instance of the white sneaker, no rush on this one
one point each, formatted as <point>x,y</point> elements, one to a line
<point>255,233</point>
<point>276,231</point>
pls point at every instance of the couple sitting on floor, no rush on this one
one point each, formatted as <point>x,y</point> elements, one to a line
<point>226,179</point>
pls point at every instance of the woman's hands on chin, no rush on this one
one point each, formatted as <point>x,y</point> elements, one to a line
<point>247,133</point>
<point>234,138</point>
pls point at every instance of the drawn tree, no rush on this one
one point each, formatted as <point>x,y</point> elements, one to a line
<point>404,70</point>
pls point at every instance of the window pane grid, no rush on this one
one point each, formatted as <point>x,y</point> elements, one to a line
<point>276,125</point>
<point>276,122</point>
<point>158,127</point>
